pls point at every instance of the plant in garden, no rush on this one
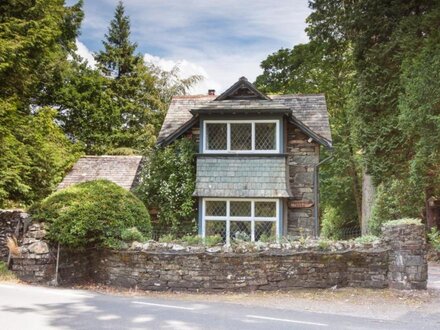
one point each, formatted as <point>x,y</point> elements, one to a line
<point>93,213</point>
<point>167,184</point>
<point>213,240</point>
<point>434,238</point>
<point>192,240</point>
<point>167,238</point>
<point>132,234</point>
<point>366,239</point>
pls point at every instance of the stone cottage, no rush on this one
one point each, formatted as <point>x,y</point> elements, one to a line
<point>258,159</point>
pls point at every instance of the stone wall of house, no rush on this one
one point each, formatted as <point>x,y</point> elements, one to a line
<point>302,156</point>
<point>397,261</point>
<point>9,221</point>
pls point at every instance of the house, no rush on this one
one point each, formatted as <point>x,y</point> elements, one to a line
<point>122,170</point>
<point>257,162</point>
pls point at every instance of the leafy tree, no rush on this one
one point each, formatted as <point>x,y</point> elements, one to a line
<point>36,38</point>
<point>314,68</point>
<point>167,185</point>
<point>34,154</point>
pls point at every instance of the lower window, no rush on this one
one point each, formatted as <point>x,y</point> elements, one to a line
<point>240,219</point>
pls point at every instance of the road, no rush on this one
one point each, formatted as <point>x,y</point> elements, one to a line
<point>30,307</point>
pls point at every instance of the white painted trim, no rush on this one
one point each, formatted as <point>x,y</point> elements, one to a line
<point>228,136</point>
<point>252,219</point>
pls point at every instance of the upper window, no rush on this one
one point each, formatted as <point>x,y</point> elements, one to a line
<point>248,136</point>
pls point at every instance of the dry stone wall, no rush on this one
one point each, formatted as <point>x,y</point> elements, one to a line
<point>397,261</point>
<point>9,221</point>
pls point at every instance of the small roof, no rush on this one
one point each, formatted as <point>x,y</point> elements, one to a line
<point>308,111</point>
<point>241,176</point>
<point>122,170</point>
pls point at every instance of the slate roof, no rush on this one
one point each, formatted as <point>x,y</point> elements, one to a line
<point>122,170</point>
<point>310,110</point>
<point>241,176</point>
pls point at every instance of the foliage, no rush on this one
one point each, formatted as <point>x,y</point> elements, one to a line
<point>265,238</point>
<point>92,213</point>
<point>35,39</point>
<point>395,99</point>
<point>167,238</point>
<point>5,273</point>
<point>167,184</point>
<point>192,239</point>
<point>366,239</point>
<point>213,240</point>
<point>34,154</point>
<point>132,234</point>
<point>334,224</point>
<point>434,238</point>
<point>324,244</point>
<point>394,200</point>
<point>319,67</point>
<point>404,221</point>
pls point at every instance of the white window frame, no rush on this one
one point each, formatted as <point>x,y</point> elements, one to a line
<point>228,137</point>
<point>229,218</point>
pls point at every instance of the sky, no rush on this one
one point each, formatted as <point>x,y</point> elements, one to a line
<point>220,40</point>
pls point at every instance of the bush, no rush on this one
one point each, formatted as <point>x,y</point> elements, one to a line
<point>132,234</point>
<point>394,200</point>
<point>93,213</point>
<point>434,239</point>
<point>213,240</point>
<point>192,240</point>
<point>366,239</point>
<point>167,184</point>
<point>405,221</point>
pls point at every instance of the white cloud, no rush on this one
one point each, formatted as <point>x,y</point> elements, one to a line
<point>187,69</point>
<point>85,53</point>
<point>221,40</point>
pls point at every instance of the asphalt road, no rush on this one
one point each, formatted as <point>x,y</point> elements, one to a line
<point>29,307</point>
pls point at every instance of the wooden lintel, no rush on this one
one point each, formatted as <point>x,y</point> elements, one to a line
<point>300,204</point>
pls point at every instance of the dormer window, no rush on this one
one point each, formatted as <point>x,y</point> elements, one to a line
<point>241,136</point>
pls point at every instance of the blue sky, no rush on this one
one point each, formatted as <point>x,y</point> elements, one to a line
<point>221,40</point>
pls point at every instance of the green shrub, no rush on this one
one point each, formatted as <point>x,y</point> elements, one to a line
<point>405,221</point>
<point>192,240</point>
<point>434,239</point>
<point>366,239</point>
<point>213,240</point>
<point>167,184</point>
<point>167,238</point>
<point>394,200</point>
<point>93,213</point>
<point>132,234</point>
<point>265,238</point>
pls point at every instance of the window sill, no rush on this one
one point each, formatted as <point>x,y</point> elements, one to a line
<point>242,155</point>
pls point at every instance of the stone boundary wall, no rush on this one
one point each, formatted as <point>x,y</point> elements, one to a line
<point>9,220</point>
<point>397,261</point>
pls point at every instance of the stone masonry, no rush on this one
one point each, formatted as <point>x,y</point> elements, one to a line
<point>408,267</point>
<point>302,157</point>
<point>396,261</point>
<point>9,226</point>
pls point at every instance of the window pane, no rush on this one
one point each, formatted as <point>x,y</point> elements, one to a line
<point>265,136</point>
<point>241,230</point>
<point>215,208</point>
<point>265,231</point>
<point>241,136</point>
<point>266,209</point>
<point>216,228</point>
<point>216,136</point>
<point>240,209</point>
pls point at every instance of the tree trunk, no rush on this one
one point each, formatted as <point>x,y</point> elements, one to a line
<point>368,193</point>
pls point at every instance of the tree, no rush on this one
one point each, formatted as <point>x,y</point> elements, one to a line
<point>314,68</point>
<point>36,38</point>
<point>131,86</point>
<point>391,41</point>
